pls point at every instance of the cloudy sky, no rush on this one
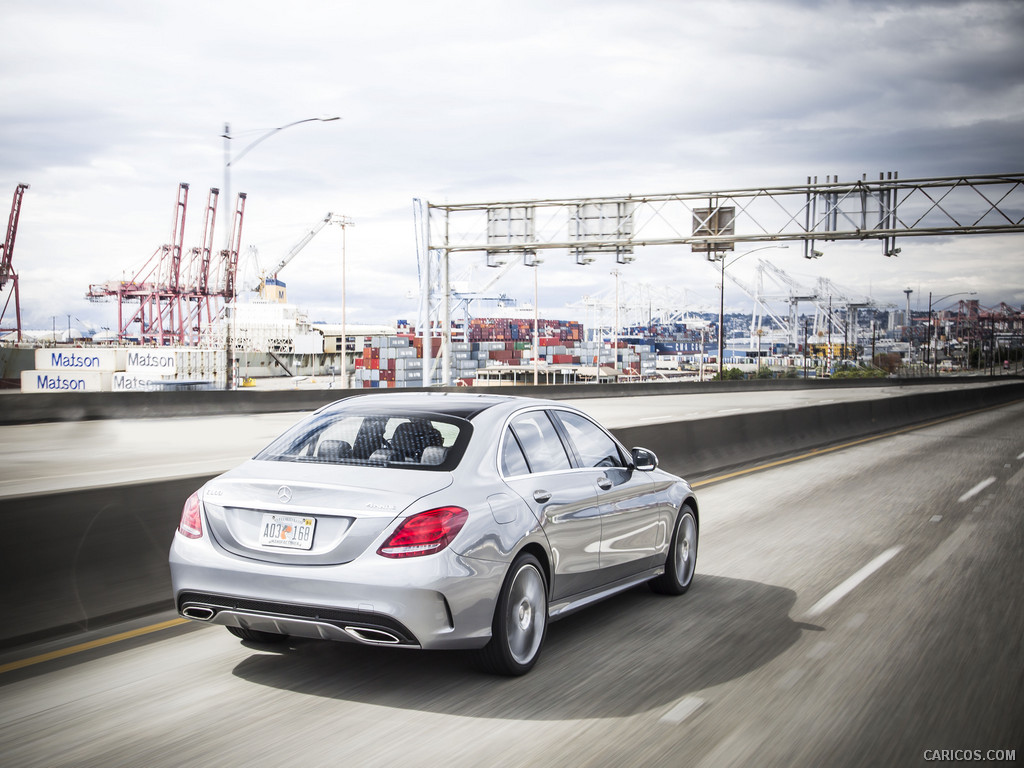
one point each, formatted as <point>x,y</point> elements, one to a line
<point>107,105</point>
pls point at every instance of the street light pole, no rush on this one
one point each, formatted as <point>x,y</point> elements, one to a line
<point>721,302</point>
<point>344,222</point>
<point>228,212</point>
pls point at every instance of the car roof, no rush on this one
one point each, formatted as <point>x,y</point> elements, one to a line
<point>464,406</point>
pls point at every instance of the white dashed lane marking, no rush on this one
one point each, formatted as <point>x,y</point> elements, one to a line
<point>977,489</point>
<point>853,582</point>
<point>682,710</point>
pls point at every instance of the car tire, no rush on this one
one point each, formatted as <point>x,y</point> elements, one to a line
<point>257,636</point>
<point>520,620</point>
<point>682,556</point>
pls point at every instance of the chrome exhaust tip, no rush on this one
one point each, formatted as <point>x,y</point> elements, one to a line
<point>197,612</point>
<point>373,636</point>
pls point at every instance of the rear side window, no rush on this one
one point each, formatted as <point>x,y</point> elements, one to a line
<point>513,462</point>
<point>540,442</point>
<point>404,440</point>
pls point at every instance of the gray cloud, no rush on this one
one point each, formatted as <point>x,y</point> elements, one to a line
<point>106,107</point>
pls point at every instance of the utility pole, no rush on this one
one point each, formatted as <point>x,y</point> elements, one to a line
<point>992,344</point>
<point>615,334</point>
<point>536,324</point>
<point>721,319</point>
<point>806,320</point>
<point>828,356</point>
<point>873,336</point>
<point>906,319</point>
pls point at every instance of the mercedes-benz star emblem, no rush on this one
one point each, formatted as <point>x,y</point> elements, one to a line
<point>284,493</point>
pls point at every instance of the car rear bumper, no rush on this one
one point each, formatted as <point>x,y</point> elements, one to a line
<point>316,622</point>
<point>432,602</point>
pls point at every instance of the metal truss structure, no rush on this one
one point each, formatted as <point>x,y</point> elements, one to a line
<point>712,222</point>
<point>8,277</point>
<point>177,295</point>
<point>835,309</point>
<point>641,306</point>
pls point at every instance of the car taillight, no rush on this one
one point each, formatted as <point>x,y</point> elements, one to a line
<point>425,533</point>
<point>191,524</point>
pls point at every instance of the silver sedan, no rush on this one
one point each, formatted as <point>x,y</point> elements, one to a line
<point>432,521</point>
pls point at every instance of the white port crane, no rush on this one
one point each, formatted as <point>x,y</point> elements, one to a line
<point>329,218</point>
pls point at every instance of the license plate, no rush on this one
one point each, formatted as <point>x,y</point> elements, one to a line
<point>287,531</point>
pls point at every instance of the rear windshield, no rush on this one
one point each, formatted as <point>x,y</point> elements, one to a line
<point>403,440</point>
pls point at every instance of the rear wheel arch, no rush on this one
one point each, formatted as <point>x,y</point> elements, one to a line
<point>520,619</point>
<point>538,551</point>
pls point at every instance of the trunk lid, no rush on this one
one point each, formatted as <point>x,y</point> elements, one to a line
<point>256,510</point>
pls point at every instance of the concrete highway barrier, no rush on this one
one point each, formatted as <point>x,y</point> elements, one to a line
<point>700,447</point>
<point>35,408</point>
<point>78,560</point>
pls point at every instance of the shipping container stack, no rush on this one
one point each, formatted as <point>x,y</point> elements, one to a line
<point>390,362</point>
<point>397,361</point>
<point>638,360</point>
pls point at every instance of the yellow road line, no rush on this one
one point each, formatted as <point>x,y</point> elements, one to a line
<point>99,643</point>
<point>832,448</point>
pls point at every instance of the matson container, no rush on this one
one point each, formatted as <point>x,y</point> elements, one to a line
<point>80,359</point>
<point>66,381</point>
<point>134,382</point>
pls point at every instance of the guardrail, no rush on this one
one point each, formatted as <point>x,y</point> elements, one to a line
<point>77,560</point>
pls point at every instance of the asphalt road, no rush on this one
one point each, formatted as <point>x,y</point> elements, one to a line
<point>861,607</point>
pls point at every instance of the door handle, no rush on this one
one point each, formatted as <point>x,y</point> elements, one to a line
<point>604,484</point>
<point>542,497</point>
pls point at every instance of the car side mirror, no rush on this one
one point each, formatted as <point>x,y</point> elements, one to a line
<point>644,460</point>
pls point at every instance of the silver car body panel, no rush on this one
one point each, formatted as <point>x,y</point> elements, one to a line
<point>565,506</point>
<point>604,524</point>
<point>352,505</point>
<point>592,540</point>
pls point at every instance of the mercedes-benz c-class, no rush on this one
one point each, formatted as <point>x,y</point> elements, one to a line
<point>432,521</point>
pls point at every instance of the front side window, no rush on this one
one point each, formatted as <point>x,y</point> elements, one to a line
<point>540,442</point>
<point>406,440</point>
<point>594,446</point>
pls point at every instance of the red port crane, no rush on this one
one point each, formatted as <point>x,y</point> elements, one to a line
<point>7,273</point>
<point>170,298</point>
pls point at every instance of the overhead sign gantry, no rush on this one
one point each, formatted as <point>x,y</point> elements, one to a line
<point>712,222</point>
